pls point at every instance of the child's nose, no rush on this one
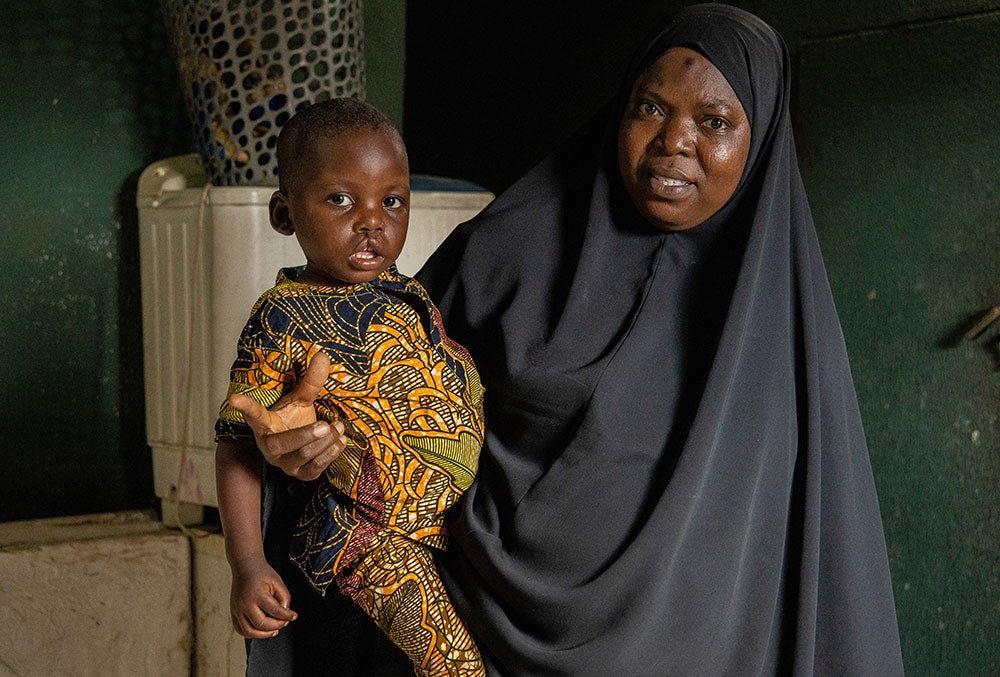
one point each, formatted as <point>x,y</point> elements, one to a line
<point>370,219</point>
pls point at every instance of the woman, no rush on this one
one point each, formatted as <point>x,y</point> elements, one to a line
<point>675,478</point>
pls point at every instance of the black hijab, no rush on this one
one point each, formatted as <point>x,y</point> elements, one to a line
<point>676,479</point>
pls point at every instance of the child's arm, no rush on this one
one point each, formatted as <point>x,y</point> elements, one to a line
<point>259,600</point>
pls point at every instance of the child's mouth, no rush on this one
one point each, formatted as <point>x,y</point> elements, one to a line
<point>366,259</point>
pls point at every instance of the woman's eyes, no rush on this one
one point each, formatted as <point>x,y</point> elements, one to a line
<point>648,108</point>
<point>714,122</point>
<point>340,199</point>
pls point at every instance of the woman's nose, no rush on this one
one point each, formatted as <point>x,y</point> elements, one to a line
<point>676,136</point>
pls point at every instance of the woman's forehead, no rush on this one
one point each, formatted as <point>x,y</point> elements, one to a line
<point>684,67</point>
<point>744,49</point>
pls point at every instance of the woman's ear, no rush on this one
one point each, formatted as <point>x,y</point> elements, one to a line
<point>281,218</point>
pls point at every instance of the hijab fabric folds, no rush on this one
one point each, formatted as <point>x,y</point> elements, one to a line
<point>675,478</point>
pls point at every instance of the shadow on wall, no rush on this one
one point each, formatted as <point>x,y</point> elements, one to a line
<point>511,81</point>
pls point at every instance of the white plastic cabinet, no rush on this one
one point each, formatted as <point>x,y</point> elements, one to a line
<point>206,254</point>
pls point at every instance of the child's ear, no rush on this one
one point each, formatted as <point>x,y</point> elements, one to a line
<point>281,219</point>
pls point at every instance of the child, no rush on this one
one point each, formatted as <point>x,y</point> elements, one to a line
<point>409,399</point>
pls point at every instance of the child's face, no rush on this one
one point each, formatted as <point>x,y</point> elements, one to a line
<point>349,210</point>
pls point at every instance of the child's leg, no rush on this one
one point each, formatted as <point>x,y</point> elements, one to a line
<point>397,584</point>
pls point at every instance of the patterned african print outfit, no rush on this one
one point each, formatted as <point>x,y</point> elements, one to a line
<point>411,402</point>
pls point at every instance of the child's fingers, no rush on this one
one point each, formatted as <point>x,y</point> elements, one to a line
<point>260,628</point>
<point>283,597</point>
<point>277,610</point>
<point>331,448</point>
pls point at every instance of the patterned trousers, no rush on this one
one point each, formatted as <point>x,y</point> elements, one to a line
<point>398,585</point>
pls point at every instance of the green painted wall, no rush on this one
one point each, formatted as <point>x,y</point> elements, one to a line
<point>89,96</point>
<point>385,55</point>
<point>896,115</point>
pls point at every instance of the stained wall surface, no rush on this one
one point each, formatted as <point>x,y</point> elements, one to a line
<point>96,595</point>
<point>88,95</point>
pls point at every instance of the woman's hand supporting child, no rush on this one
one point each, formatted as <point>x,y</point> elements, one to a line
<point>288,434</point>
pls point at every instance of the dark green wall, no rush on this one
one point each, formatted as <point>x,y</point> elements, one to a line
<point>89,96</point>
<point>901,156</point>
<point>492,87</point>
<point>896,113</point>
<point>385,55</point>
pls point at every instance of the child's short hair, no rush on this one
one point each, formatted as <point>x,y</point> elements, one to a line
<point>324,120</point>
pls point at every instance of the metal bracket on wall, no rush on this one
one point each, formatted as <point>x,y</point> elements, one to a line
<point>988,318</point>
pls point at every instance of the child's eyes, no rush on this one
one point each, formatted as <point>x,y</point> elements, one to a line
<point>392,202</point>
<point>340,199</point>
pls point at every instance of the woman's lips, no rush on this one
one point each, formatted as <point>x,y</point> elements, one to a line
<point>669,185</point>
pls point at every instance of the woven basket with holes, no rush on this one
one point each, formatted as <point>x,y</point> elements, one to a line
<point>249,65</point>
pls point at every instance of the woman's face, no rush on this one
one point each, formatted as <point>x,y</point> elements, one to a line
<point>683,141</point>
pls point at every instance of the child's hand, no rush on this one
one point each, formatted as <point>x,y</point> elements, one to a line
<point>289,434</point>
<point>259,600</point>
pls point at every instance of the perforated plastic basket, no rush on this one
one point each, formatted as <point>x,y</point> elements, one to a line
<point>248,65</point>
